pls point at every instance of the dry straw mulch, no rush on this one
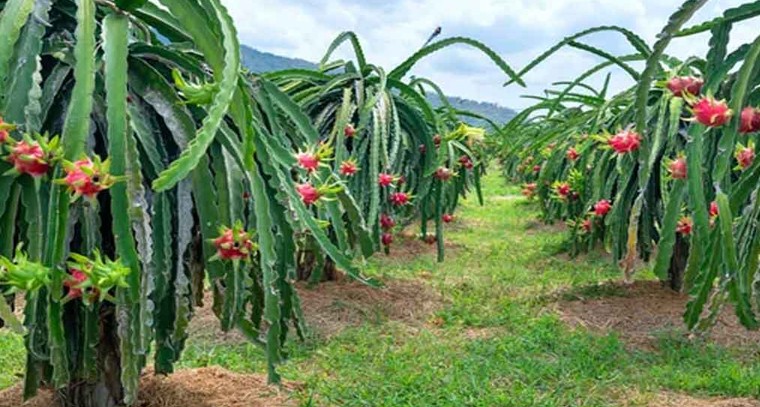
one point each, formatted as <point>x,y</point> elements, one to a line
<point>330,307</point>
<point>669,399</point>
<point>205,387</point>
<point>643,311</point>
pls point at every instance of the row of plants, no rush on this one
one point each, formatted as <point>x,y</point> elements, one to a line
<point>142,166</point>
<point>663,171</point>
<point>400,159</point>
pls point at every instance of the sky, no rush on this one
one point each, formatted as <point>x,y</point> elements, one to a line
<point>518,30</point>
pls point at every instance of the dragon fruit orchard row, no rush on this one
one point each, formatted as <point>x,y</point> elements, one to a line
<point>679,172</point>
<point>706,110</point>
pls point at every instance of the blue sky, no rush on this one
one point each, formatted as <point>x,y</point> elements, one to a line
<point>519,30</point>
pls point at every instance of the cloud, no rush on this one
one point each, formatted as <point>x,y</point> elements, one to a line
<point>519,30</point>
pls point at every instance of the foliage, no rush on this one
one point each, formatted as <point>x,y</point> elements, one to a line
<point>388,130</point>
<point>263,62</point>
<point>141,163</point>
<point>494,333</point>
<point>715,260</point>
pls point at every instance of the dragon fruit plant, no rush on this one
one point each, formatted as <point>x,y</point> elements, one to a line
<point>396,154</point>
<point>137,161</point>
<point>681,175</point>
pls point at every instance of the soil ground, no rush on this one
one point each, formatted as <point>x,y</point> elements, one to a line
<point>643,312</point>
<point>206,387</point>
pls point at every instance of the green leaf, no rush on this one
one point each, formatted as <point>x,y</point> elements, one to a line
<point>340,39</point>
<point>739,285</point>
<point>130,5</point>
<point>14,15</point>
<point>668,230</point>
<point>22,90</point>
<point>738,98</point>
<point>599,52</point>
<point>115,30</point>
<point>9,318</point>
<point>163,293</point>
<point>675,22</point>
<point>403,68</point>
<point>76,129</point>
<point>228,80</point>
<point>732,15</point>
<point>638,43</point>
<point>268,262</point>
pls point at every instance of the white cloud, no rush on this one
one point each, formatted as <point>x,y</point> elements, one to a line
<point>519,30</point>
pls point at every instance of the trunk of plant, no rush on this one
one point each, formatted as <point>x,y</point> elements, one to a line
<point>306,264</point>
<point>309,268</point>
<point>678,264</point>
<point>331,271</point>
<point>105,390</point>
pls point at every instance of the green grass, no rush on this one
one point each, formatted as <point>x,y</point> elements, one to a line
<point>497,344</point>
<point>12,358</point>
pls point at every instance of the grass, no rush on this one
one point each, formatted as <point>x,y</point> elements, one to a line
<point>494,343</point>
<point>12,358</point>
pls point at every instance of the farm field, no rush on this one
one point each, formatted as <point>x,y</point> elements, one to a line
<point>501,323</point>
<point>186,221</point>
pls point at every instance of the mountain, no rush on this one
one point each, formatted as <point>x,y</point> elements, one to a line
<point>497,113</point>
<point>259,61</point>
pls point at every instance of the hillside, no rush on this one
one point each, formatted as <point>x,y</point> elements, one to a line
<point>259,61</point>
<point>498,114</point>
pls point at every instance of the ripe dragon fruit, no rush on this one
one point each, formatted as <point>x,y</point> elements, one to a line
<point>625,141</point>
<point>28,157</point>
<point>713,209</point>
<point>308,161</point>
<point>711,112</point>
<point>309,194</point>
<point>684,226</point>
<point>447,218</point>
<point>399,198</point>
<point>94,278</point>
<point>429,238</point>
<point>529,189</point>
<point>73,283</point>
<point>437,140</point>
<point>536,169</point>
<point>87,178</point>
<point>233,244</point>
<point>745,155</point>
<point>680,85</point>
<point>443,173</point>
<point>602,207</point>
<point>313,157</point>
<point>385,179</point>
<point>749,120</point>
<point>349,131</point>
<point>466,162</point>
<point>387,222</point>
<point>586,225</point>
<point>572,154</point>
<point>677,168</point>
<point>4,131</point>
<point>348,168</point>
<point>562,189</point>
<point>422,148</point>
<point>387,239</point>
